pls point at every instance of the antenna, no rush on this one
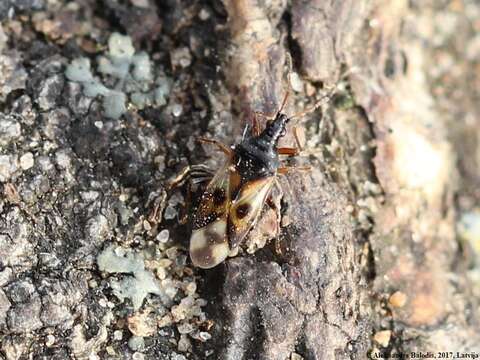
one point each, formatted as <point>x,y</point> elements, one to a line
<point>289,82</point>
<point>326,97</point>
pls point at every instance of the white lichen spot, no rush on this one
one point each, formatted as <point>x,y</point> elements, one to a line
<point>142,100</point>
<point>177,110</point>
<point>118,335</point>
<point>27,161</point>
<point>162,90</point>
<point>94,89</point>
<point>163,236</point>
<point>136,343</point>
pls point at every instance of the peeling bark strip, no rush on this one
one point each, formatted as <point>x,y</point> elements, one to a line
<point>255,64</point>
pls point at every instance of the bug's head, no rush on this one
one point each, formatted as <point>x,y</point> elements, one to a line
<point>277,127</point>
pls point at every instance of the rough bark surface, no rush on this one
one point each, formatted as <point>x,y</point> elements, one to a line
<point>369,260</point>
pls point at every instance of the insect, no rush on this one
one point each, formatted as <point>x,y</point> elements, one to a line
<point>233,200</point>
<point>235,197</point>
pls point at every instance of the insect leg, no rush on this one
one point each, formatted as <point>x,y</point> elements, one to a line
<point>222,147</point>
<point>255,125</point>
<point>297,139</point>
<point>190,175</point>
<point>289,83</point>
<point>327,97</point>
<point>198,173</point>
<point>314,107</point>
<point>183,213</point>
<point>180,178</point>
<point>265,115</point>
<point>288,151</point>
<point>286,169</point>
<point>285,98</point>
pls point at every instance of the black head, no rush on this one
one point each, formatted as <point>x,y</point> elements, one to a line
<point>257,156</point>
<point>275,129</point>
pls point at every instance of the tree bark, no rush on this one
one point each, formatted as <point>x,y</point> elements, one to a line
<point>370,260</point>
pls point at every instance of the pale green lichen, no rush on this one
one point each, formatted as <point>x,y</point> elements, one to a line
<point>114,104</point>
<point>120,47</point>
<point>142,67</point>
<point>133,75</point>
<point>136,287</point>
<point>79,70</point>
<point>158,269</point>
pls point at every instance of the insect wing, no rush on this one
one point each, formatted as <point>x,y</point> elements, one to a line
<point>209,243</point>
<point>246,209</point>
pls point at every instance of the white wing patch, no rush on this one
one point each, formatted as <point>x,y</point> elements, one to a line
<point>209,245</point>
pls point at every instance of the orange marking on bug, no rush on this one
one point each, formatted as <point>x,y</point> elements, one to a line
<point>288,151</point>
